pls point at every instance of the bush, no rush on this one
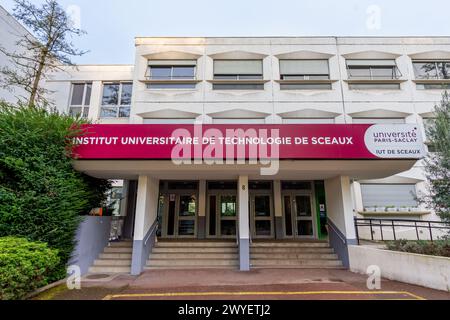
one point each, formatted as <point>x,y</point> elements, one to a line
<point>435,248</point>
<point>41,195</point>
<point>24,267</point>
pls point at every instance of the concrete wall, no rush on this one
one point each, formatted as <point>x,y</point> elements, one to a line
<point>427,271</point>
<point>92,237</point>
<point>11,31</point>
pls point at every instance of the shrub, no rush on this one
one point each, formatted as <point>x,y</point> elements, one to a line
<point>41,195</point>
<point>24,266</point>
<point>435,248</point>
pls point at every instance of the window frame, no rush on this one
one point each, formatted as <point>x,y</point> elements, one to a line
<point>83,106</point>
<point>149,76</point>
<point>396,73</point>
<point>119,105</point>
<point>305,76</point>
<point>435,62</point>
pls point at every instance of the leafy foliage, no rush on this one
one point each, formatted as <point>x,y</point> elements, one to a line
<point>38,54</point>
<point>438,162</point>
<point>435,248</point>
<point>24,266</point>
<point>41,195</point>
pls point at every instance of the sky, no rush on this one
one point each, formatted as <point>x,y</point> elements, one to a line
<point>112,25</point>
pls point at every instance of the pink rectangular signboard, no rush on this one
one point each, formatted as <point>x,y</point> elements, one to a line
<point>284,141</point>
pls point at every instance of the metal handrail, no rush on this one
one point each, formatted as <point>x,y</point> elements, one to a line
<point>344,241</point>
<point>394,223</point>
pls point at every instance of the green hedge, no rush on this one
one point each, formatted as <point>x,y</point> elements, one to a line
<point>435,248</point>
<point>24,266</point>
<point>41,195</point>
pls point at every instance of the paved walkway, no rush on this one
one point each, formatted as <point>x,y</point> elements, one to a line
<point>298,284</point>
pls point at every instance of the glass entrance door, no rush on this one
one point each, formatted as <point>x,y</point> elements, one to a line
<point>261,215</point>
<point>298,218</point>
<point>180,215</point>
<point>222,215</point>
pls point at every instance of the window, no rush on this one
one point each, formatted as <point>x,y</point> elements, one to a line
<point>116,100</point>
<point>373,70</point>
<point>171,70</point>
<point>432,70</point>
<point>304,70</point>
<point>378,120</point>
<point>308,120</point>
<point>238,70</point>
<point>386,195</point>
<point>80,99</point>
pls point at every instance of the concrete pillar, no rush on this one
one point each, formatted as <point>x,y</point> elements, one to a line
<point>201,233</point>
<point>278,207</point>
<point>340,216</point>
<point>244,224</point>
<point>145,225</point>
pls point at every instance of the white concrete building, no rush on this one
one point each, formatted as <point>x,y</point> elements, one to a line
<point>11,32</point>
<point>294,84</point>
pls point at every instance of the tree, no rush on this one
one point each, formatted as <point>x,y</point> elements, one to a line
<point>46,50</point>
<point>437,163</point>
<point>41,195</point>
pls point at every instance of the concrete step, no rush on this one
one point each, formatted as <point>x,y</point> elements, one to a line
<point>112,262</point>
<point>195,244</point>
<point>313,256</point>
<point>118,250</point>
<point>194,250</point>
<point>199,255</point>
<point>193,268</point>
<point>191,263</point>
<point>115,256</point>
<point>285,250</point>
<point>121,244</point>
<point>311,244</point>
<point>295,263</point>
<point>109,269</point>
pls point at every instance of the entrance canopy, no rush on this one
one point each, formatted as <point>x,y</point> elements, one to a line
<point>258,151</point>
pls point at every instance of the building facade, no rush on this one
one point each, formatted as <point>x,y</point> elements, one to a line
<point>300,83</point>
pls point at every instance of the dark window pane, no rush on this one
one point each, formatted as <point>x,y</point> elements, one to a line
<point>260,185</point>
<point>188,206</point>
<point>171,219</point>
<point>85,112</point>
<point>212,215</point>
<point>359,72</point>
<point>295,185</point>
<point>383,73</point>
<point>226,76</point>
<point>303,206</point>
<point>182,185</point>
<point>228,227</point>
<point>425,70</point>
<point>110,94</point>
<point>75,111</point>
<point>160,73</point>
<point>87,99</point>
<point>262,206</point>
<point>374,86</point>
<point>305,86</point>
<point>305,228</point>
<point>288,215</point>
<point>443,70</point>
<point>108,112</point>
<point>171,85</point>
<point>263,228</point>
<point>127,89</point>
<point>238,86</point>
<point>228,206</point>
<point>187,72</point>
<point>186,227</point>
<point>431,86</point>
<point>124,112</point>
<point>77,94</point>
<point>222,185</point>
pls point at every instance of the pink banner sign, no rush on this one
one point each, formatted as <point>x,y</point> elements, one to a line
<point>283,142</point>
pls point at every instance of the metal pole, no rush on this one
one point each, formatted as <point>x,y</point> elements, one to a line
<point>356,230</point>
<point>417,230</point>
<point>371,229</point>
<point>431,232</point>
<point>393,229</point>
